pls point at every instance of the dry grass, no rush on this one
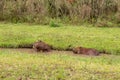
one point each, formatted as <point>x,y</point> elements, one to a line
<point>41,11</point>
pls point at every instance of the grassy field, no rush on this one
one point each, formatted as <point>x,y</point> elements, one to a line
<point>16,66</point>
<point>21,35</point>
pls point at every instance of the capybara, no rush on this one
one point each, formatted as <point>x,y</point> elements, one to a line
<point>41,46</point>
<point>85,51</point>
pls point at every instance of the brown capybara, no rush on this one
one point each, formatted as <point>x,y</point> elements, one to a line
<point>85,51</point>
<point>41,46</point>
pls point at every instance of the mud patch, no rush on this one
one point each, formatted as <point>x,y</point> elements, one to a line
<point>31,51</point>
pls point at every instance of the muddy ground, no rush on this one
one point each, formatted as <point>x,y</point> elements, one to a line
<point>31,51</point>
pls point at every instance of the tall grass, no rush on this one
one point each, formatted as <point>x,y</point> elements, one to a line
<point>41,11</point>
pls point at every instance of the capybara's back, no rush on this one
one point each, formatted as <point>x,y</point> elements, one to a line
<point>89,51</point>
<point>85,51</point>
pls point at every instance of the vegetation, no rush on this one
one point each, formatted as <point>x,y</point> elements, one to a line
<point>67,11</point>
<point>16,65</point>
<point>64,37</point>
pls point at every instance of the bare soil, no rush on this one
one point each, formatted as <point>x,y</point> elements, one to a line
<point>31,51</point>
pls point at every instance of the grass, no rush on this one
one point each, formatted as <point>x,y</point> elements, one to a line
<point>16,35</point>
<point>15,65</point>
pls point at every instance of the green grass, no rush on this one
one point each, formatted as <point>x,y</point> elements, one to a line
<point>15,35</point>
<point>14,65</point>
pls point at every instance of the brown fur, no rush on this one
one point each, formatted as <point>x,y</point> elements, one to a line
<point>41,46</point>
<point>86,51</point>
<point>71,1</point>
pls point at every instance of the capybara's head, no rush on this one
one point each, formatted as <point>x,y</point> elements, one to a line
<point>76,50</point>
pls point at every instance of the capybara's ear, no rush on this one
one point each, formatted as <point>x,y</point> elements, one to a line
<point>80,47</point>
<point>39,41</point>
<point>51,46</point>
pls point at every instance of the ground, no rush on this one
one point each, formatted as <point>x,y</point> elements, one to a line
<point>18,63</point>
<point>56,65</point>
